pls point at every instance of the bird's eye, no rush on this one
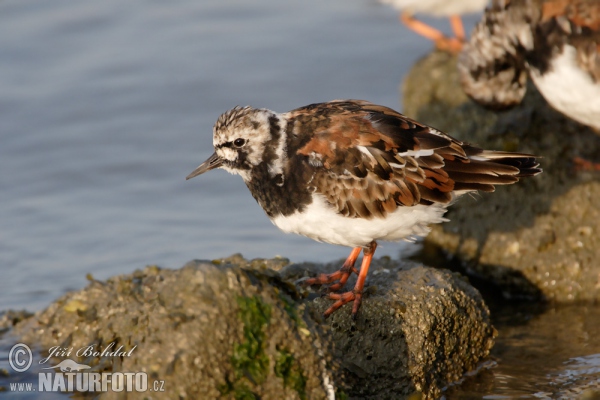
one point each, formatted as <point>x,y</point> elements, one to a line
<point>239,142</point>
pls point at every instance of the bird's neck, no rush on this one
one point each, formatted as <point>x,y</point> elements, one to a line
<point>279,183</point>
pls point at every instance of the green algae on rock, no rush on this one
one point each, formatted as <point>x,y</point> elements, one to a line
<point>238,329</point>
<point>206,331</point>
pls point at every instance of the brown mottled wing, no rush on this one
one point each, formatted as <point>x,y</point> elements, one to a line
<point>585,16</point>
<point>368,160</point>
<point>583,13</point>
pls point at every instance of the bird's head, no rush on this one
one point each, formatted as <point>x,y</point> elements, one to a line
<point>240,137</point>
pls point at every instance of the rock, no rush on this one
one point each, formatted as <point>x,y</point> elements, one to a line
<point>207,331</point>
<point>10,318</point>
<point>234,328</point>
<point>537,238</point>
<point>418,330</point>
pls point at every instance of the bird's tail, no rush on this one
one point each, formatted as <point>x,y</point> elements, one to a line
<point>487,168</point>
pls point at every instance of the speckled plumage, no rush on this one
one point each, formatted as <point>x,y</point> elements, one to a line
<point>555,42</point>
<point>350,172</point>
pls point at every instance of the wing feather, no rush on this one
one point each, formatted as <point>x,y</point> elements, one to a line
<point>374,159</point>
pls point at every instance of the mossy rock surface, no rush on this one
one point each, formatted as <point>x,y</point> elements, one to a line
<point>418,330</point>
<point>207,331</point>
<point>240,329</point>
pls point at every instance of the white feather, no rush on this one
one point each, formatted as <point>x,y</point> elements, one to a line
<point>321,222</point>
<point>276,167</point>
<point>416,153</point>
<point>569,89</point>
<point>438,8</point>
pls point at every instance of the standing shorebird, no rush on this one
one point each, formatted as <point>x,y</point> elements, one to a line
<point>452,9</point>
<point>352,173</point>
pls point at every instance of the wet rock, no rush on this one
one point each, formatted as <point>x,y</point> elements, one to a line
<point>537,238</point>
<point>207,331</point>
<point>10,318</point>
<point>418,330</point>
<point>234,328</point>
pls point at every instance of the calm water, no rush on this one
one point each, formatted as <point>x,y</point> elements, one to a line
<point>106,106</point>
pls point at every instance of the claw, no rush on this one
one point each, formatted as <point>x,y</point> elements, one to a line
<point>302,281</point>
<point>342,299</point>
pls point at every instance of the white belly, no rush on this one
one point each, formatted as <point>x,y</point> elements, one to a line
<point>319,221</point>
<point>438,8</point>
<point>570,90</point>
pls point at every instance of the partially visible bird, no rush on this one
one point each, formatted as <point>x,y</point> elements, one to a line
<point>438,8</point>
<point>555,42</point>
<point>352,173</point>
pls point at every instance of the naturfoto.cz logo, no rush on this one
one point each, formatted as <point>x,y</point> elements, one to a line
<point>70,376</point>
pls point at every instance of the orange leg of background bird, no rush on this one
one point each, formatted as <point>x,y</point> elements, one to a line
<point>441,41</point>
<point>582,164</point>
<point>356,294</point>
<point>341,276</point>
<point>457,27</point>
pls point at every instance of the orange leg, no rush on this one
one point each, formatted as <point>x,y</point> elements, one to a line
<point>457,27</point>
<point>341,276</point>
<point>582,164</point>
<point>442,42</point>
<point>356,294</point>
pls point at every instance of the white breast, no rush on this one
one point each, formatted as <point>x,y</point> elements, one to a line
<point>569,89</point>
<point>321,222</point>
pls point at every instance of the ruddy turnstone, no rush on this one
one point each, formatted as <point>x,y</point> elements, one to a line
<point>351,173</point>
<point>556,42</point>
<point>438,8</point>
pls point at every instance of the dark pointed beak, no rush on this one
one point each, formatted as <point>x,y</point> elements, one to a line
<point>213,162</point>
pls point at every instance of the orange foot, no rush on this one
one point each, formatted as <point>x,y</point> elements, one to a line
<point>342,276</point>
<point>442,42</point>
